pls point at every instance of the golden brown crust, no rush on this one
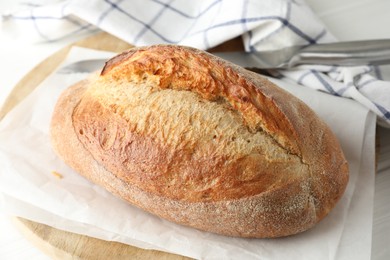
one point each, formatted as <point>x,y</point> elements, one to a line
<point>184,68</point>
<point>201,142</point>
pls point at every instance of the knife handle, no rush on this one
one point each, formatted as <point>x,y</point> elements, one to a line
<point>367,52</point>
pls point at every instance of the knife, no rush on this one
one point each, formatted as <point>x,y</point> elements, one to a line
<point>368,52</point>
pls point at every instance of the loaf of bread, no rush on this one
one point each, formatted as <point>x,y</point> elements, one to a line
<point>201,142</point>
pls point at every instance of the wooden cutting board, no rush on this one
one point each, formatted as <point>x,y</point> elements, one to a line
<point>60,244</point>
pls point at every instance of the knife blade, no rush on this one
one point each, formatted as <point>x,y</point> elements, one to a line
<point>368,52</point>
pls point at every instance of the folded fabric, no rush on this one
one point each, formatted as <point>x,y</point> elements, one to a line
<point>263,24</point>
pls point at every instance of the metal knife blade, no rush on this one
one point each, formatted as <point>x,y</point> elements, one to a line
<point>370,52</point>
<point>83,66</point>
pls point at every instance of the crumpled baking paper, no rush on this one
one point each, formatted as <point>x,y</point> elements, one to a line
<point>29,189</point>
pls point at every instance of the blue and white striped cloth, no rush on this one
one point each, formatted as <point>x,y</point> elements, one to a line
<point>263,24</point>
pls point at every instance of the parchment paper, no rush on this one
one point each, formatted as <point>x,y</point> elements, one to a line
<point>30,190</point>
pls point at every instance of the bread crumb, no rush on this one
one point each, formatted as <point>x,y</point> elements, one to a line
<point>57,174</point>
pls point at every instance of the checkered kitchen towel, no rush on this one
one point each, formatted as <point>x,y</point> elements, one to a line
<point>263,24</point>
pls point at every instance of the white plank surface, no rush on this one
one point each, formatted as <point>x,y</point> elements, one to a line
<point>346,19</point>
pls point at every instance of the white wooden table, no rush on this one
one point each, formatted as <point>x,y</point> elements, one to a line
<point>346,19</point>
